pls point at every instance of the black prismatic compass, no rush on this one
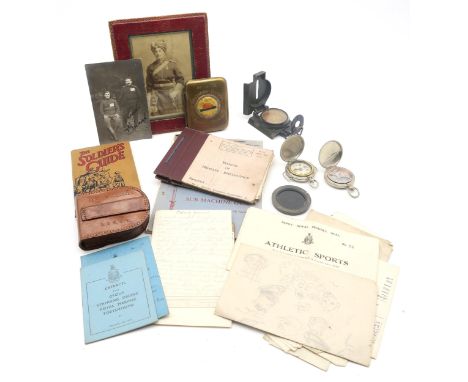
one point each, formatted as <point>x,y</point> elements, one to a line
<point>336,177</point>
<point>297,170</point>
<point>270,121</point>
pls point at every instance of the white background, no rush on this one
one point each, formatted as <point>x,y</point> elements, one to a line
<point>386,79</point>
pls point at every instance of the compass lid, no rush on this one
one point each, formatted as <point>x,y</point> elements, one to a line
<point>330,154</point>
<point>256,93</point>
<point>291,200</point>
<point>292,148</point>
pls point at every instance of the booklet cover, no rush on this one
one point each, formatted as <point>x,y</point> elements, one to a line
<point>141,244</point>
<point>116,296</point>
<point>103,167</point>
<point>216,165</point>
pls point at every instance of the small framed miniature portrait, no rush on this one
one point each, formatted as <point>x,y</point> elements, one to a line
<point>166,47</point>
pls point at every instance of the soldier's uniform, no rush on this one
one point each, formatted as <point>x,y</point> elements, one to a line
<point>129,101</point>
<point>161,79</point>
<point>110,112</point>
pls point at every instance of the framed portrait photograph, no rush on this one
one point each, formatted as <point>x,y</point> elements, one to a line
<point>173,50</point>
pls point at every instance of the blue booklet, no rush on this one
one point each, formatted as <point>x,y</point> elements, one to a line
<point>141,244</point>
<point>117,296</point>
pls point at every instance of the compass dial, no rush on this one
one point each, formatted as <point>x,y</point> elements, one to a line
<point>301,168</point>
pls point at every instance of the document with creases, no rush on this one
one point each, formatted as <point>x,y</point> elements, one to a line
<point>229,168</point>
<point>216,165</point>
<point>301,300</point>
<point>386,283</point>
<point>289,346</point>
<point>319,243</point>
<point>192,249</point>
<point>172,197</point>
<point>338,221</point>
<point>387,274</point>
<point>299,352</point>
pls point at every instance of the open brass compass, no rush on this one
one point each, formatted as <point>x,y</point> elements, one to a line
<point>336,177</point>
<point>297,170</point>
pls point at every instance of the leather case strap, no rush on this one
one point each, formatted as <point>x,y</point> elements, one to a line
<point>117,207</point>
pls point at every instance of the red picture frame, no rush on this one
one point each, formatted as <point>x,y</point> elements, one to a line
<point>189,33</point>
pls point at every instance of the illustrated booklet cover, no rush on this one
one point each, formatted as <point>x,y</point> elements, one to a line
<point>103,167</point>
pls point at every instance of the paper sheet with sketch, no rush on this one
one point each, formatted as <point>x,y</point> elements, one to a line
<point>300,300</point>
<point>192,249</point>
<point>387,274</point>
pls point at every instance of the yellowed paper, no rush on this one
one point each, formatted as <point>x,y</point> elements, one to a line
<point>385,246</point>
<point>387,273</point>
<point>192,249</point>
<point>291,346</point>
<point>300,300</point>
<point>313,241</point>
<point>312,359</point>
<point>229,168</point>
<point>335,360</point>
<point>386,282</point>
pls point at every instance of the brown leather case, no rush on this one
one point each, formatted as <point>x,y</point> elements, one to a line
<point>111,216</point>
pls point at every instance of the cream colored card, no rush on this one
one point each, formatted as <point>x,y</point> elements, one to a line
<point>315,242</point>
<point>192,249</point>
<point>289,346</point>
<point>302,301</point>
<point>386,277</point>
<point>306,356</point>
<point>229,168</point>
<point>338,221</point>
<point>335,360</point>
<point>386,283</point>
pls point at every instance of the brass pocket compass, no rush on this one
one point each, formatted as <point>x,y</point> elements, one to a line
<point>297,170</point>
<point>336,177</point>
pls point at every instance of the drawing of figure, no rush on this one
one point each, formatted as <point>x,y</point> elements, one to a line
<point>90,182</point>
<point>288,323</point>
<point>328,301</point>
<point>103,180</point>
<point>268,297</point>
<point>118,180</point>
<point>253,264</point>
<point>305,293</point>
<point>318,327</point>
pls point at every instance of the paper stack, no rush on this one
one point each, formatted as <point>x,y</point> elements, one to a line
<point>320,292</point>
